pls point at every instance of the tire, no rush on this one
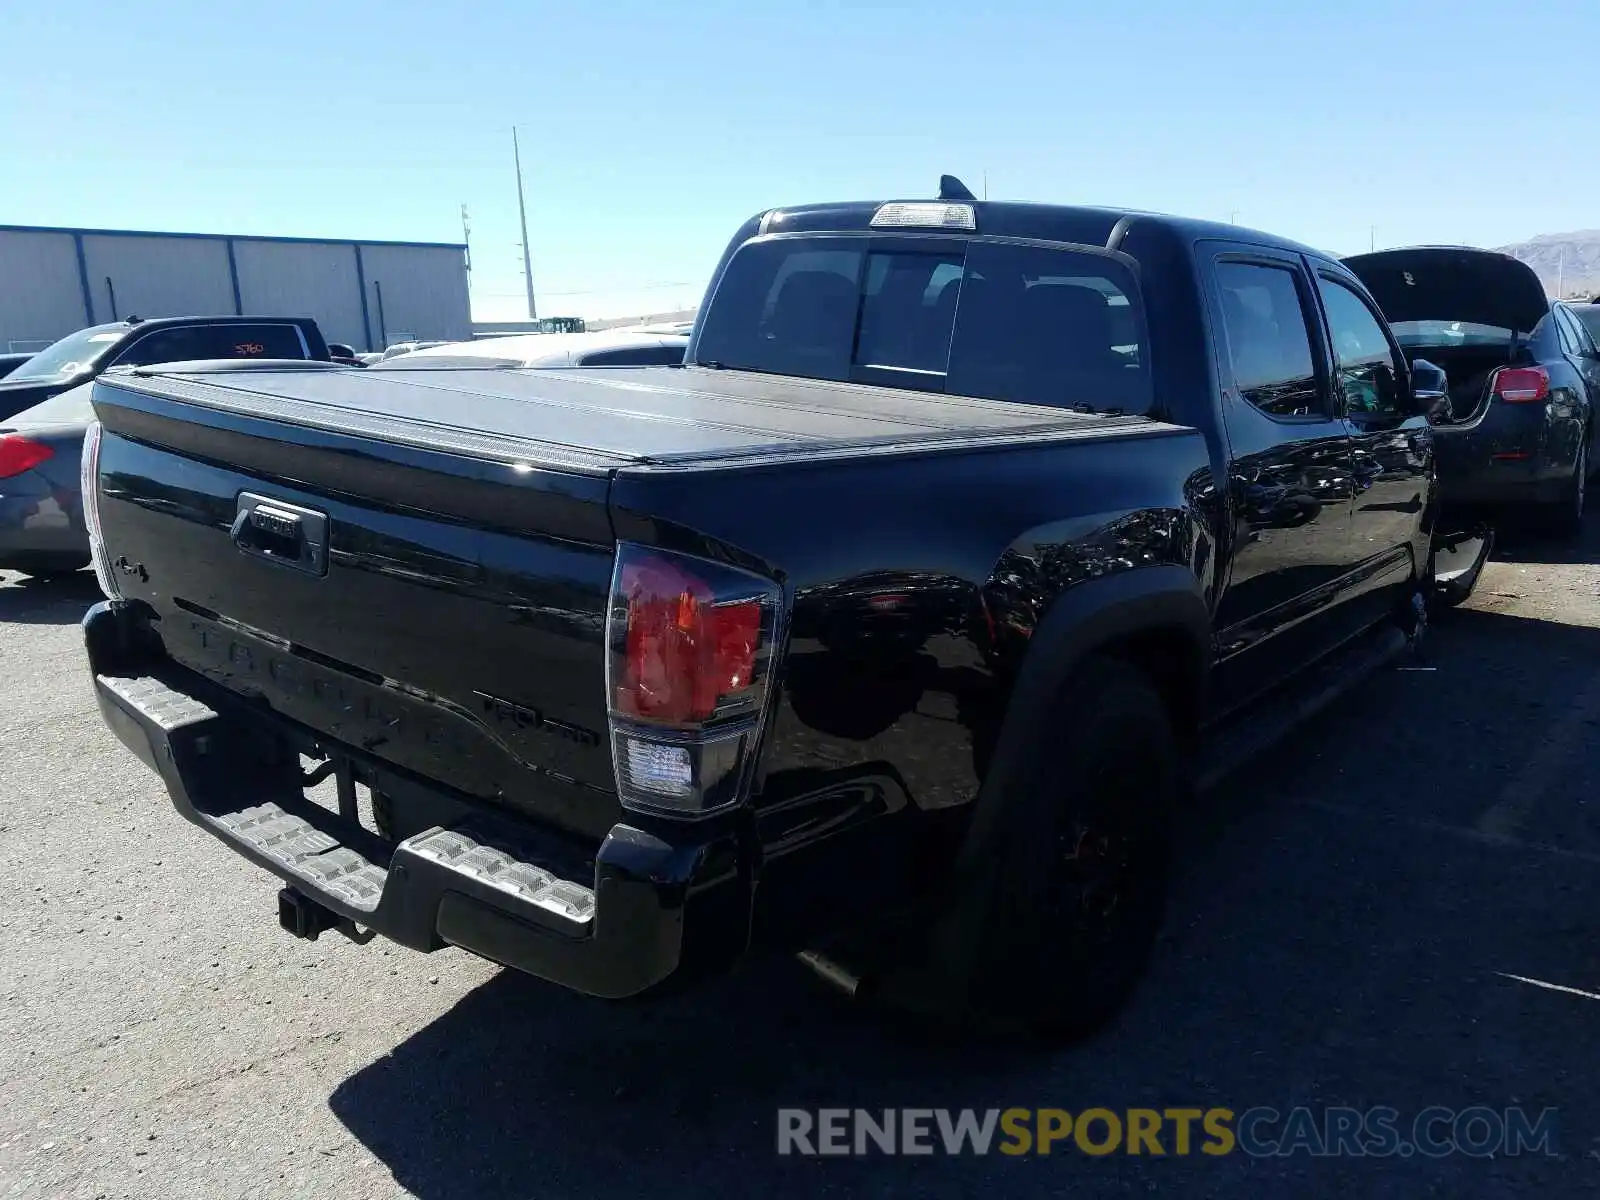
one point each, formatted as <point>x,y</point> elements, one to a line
<point>1567,512</point>
<point>1084,854</point>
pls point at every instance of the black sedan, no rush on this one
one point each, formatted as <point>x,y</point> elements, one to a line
<point>1524,376</point>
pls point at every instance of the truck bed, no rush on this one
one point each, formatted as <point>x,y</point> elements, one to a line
<point>598,420</point>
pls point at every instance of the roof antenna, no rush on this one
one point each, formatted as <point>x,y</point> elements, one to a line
<point>951,188</point>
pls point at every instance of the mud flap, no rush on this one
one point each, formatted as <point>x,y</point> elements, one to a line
<point>1458,560</point>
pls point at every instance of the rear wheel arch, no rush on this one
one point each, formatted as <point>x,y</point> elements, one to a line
<point>1153,619</point>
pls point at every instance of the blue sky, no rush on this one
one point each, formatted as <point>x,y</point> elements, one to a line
<point>650,130</point>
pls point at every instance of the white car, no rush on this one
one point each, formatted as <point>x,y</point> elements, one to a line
<point>642,346</point>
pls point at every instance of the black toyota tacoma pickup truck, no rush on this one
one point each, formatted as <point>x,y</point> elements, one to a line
<point>888,630</point>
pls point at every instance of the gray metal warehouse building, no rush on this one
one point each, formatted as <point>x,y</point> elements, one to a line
<point>367,294</point>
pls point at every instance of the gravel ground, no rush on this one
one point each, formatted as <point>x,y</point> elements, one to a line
<point>1372,915</point>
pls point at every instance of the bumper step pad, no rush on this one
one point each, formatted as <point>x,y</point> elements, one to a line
<point>308,852</point>
<point>315,850</point>
<point>457,851</point>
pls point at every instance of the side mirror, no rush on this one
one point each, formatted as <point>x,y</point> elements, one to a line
<point>1430,392</point>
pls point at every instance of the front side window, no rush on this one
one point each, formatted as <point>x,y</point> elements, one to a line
<point>1364,366</point>
<point>1001,321</point>
<point>1269,342</point>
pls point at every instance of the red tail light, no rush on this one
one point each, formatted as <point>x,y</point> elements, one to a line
<point>19,454</point>
<point>685,652</point>
<point>1522,385</point>
<point>689,649</point>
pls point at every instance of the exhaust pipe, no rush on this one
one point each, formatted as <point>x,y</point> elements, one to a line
<point>831,972</point>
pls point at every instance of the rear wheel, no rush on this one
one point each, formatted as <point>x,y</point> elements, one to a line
<point>1081,877</point>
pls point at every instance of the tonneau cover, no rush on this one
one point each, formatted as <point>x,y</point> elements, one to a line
<point>604,418</point>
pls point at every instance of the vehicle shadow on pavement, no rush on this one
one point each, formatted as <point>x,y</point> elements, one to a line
<point>1350,921</point>
<point>523,1089</point>
<point>61,600</point>
<point>1520,540</point>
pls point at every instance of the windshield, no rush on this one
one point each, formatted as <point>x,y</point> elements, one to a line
<point>1450,333</point>
<point>72,355</point>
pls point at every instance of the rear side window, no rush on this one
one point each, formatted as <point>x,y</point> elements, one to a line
<point>1574,332</point>
<point>1269,344</point>
<point>183,343</point>
<point>1022,323</point>
<point>1588,315</point>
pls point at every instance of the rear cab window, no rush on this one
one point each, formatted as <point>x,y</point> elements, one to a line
<point>998,320</point>
<point>185,343</point>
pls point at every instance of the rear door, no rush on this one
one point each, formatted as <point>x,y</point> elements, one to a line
<point>1290,470</point>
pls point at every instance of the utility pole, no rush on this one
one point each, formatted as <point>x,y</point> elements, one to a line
<point>522,213</point>
<point>986,185</point>
<point>1233,216</point>
<point>466,236</point>
<point>1372,238</point>
<point>1561,274</point>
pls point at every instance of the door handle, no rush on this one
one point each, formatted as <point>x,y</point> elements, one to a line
<point>282,533</point>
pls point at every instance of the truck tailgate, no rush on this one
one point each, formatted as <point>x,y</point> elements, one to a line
<point>454,622</point>
<point>452,626</point>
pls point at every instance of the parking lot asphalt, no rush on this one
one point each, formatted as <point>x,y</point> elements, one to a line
<point>1398,906</point>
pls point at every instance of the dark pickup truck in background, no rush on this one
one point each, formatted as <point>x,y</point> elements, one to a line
<point>891,628</point>
<point>142,341</point>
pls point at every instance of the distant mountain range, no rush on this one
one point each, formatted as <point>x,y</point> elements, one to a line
<point>1568,263</point>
